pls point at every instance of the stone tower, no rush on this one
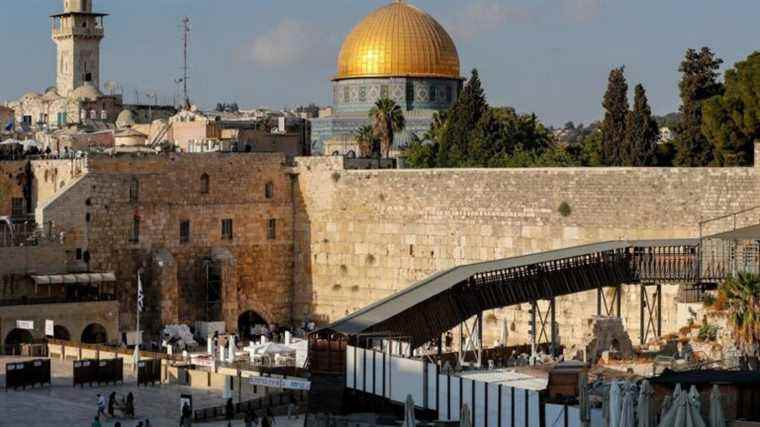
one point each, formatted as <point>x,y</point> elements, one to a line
<point>77,33</point>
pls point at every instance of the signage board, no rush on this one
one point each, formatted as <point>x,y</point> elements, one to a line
<point>25,324</point>
<point>49,328</point>
<point>281,383</point>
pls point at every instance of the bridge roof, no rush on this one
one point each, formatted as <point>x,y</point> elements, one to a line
<point>422,295</point>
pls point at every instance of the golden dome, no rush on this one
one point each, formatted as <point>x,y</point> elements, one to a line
<point>398,40</point>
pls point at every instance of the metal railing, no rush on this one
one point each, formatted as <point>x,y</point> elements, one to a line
<point>268,402</point>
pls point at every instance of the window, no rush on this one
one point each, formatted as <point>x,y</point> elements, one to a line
<point>103,115</point>
<point>272,229</point>
<point>184,231</point>
<point>227,233</point>
<point>135,237</point>
<point>269,190</point>
<point>79,253</point>
<point>134,190</point>
<point>204,184</point>
<point>17,206</point>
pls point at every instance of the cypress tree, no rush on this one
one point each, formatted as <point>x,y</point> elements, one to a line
<point>642,133</point>
<point>699,82</point>
<point>616,113</point>
<point>463,118</point>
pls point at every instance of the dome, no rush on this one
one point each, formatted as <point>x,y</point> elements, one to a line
<point>125,119</point>
<point>87,91</point>
<point>398,40</point>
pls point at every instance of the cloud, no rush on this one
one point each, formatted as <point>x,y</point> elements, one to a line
<point>582,10</point>
<point>290,42</point>
<point>489,15</point>
<point>481,16</point>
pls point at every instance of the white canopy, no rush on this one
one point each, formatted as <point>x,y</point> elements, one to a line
<point>54,279</point>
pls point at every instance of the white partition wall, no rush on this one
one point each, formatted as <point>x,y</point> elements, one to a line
<point>491,405</point>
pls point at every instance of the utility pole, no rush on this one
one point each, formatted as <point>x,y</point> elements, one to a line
<point>186,57</point>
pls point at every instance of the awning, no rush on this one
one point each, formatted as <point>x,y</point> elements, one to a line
<point>56,279</point>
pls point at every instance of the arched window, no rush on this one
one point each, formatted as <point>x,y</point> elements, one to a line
<point>205,184</point>
<point>269,190</point>
<point>134,190</point>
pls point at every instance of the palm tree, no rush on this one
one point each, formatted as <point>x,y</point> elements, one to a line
<point>387,120</point>
<point>365,136</point>
<point>742,300</point>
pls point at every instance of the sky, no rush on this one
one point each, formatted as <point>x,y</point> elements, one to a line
<point>550,57</point>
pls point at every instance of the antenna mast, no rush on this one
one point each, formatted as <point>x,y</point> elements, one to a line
<point>186,53</point>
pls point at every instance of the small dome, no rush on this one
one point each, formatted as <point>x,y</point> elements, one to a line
<point>31,95</point>
<point>51,93</point>
<point>87,91</point>
<point>126,119</point>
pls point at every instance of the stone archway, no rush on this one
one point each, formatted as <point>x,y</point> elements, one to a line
<point>61,333</point>
<point>247,321</point>
<point>15,338</point>
<point>94,333</point>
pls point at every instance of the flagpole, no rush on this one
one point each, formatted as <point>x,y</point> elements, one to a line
<point>139,337</point>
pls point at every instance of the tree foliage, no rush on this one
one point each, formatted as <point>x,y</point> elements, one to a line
<point>641,133</point>
<point>368,143</point>
<point>740,295</point>
<point>473,134</point>
<point>387,120</point>
<point>615,104</point>
<point>731,121</point>
<point>699,82</point>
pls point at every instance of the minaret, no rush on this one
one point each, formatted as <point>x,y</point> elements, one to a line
<point>77,33</point>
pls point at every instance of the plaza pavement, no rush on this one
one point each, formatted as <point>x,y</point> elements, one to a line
<point>63,405</point>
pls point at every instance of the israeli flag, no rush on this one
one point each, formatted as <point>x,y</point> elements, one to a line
<point>140,295</point>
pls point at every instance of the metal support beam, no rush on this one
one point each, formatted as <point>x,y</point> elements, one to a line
<point>611,307</point>
<point>543,326</point>
<point>471,340</point>
<point>650,312</point>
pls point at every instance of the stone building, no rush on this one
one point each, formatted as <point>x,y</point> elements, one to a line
<point>6,117</point>
<point>397,52</point>
<point>212,234</point>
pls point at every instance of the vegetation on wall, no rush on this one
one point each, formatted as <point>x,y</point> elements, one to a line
<point>740,296</point>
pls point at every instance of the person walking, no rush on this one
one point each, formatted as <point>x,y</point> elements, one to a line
<point>229,409</point>
<point>101,405</point>
<point>111,402</point>
<point>187,416</point>
<point>130,405</point>
<point>292,408</point>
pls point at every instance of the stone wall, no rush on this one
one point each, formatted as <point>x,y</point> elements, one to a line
<point>100,212</point>
<point>362,235</point>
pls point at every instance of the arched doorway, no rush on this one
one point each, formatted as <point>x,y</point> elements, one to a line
<point>61,333</point>
<point>249,324</point>
<point>14,340</point>
<point>94,333</point>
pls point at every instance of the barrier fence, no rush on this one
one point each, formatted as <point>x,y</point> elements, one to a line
<point>148,372</point>
<point>102,371</point>
<point>27,374</point>
<point>394,378</point>
<point>268,402</point>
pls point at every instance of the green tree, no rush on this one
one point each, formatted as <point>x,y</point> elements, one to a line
<point>365,137</point>
<point>591,151</point>
<point>740,295</point>
<point>699,82</point>
<point>641,133</point>
<point>731,121</point>
<point>615,104</point>
<point>464,117</point>
<point>387,120</point>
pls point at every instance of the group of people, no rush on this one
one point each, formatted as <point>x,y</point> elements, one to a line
<point>107,409</point>
<point>252,420</point>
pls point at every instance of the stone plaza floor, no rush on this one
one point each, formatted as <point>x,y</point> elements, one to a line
<point>63,405</point>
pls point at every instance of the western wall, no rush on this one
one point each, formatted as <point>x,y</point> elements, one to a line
<point>364,234</point>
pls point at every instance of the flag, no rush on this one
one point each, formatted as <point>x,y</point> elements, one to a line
<point>140,295</point>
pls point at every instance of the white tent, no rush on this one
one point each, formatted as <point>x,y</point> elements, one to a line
<point>616,404</point>
<point>409,418</point>
<point>645,410</point>
<point>683,413</point>
<point>717,418</point>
